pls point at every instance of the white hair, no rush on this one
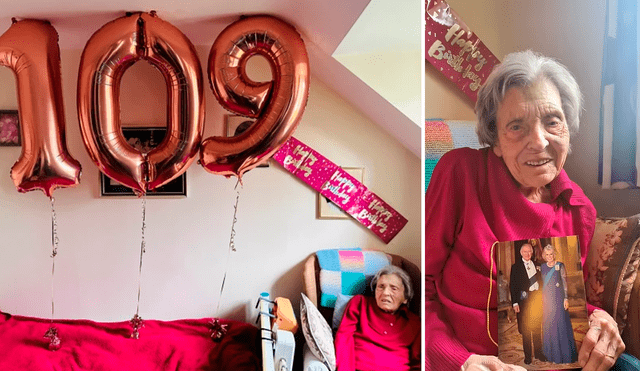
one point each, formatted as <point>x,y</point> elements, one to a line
<point>404,277</point>
<point>550,248</point>
<point>522,69</point>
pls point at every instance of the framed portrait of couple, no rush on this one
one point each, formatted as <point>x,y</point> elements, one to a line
<point>542,312</point>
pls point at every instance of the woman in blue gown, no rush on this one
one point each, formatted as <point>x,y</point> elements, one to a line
<point>559,345</point>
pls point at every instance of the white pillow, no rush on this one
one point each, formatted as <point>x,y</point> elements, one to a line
<point>317,332</point>
<point>311,362</point>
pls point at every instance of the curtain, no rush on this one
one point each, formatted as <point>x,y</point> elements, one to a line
<point>619,122</point>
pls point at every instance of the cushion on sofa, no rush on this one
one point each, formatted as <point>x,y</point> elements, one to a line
<point>630,336</point>
<point>317,333</point>
<point>338,311</point>
<point>612,265</point>
<point>310,362</point>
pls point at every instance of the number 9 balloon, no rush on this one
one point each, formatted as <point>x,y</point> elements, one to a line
<point>110,51</point>
<point>30,49</point>
<point>278,105</point>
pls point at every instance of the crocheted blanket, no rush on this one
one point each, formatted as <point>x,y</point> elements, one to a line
<point>347,272</point>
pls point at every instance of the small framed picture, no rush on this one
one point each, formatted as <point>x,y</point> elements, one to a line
<point>327,209</point>
<point>9,128</point>
<point>236,125</point>
<point>144,140</point>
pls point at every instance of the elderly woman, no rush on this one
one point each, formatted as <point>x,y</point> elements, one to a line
<point>512,190</point>
<point>380,333</point>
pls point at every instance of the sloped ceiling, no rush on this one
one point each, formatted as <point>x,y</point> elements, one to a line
<point>323,24</point>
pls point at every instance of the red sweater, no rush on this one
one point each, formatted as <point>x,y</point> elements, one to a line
<point>473,201</point>
<point>371,339</point>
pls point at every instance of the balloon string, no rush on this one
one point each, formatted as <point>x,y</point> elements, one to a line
<point>232,239</point>
<point>54,252</point>
<point>232,243</point>
<point>142,249</point>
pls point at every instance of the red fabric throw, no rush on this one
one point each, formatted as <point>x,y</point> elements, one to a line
<point>163,345</point>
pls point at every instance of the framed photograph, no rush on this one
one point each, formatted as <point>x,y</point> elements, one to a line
<point>236,125</point>
<point>327,209</point>
<point>9,128</point>
<point>144,140</point>
<point>542,312</point>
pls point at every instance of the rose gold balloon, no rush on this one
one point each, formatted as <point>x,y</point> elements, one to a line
<point>30,49</point>
<point>278,104</point>
<point>107,55</point>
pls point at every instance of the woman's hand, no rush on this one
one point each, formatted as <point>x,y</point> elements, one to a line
<point>566,304</point>
<point>602,345</point>
<point>477,362</point>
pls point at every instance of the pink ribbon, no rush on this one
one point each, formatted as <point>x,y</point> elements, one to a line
<point>454,50</point>
<point>342,189</point>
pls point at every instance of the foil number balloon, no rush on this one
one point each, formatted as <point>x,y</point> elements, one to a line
<point>30,49</point>
<point>278,105</point>
<point>109,52</point>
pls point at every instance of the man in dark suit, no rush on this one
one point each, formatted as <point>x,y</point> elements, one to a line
<point>526,295</point>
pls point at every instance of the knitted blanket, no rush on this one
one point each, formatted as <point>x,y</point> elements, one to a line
<point>441,136</point>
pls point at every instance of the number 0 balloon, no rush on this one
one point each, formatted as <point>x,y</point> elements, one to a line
<point>277,105</point>
<point>30,49</point>
<point>109,52</point>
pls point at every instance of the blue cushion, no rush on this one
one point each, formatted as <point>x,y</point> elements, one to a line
<point>338,311</point>
<point>626,362</point>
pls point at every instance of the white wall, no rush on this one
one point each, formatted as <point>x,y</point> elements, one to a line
<point>187,238</point>
<point>571,31</point>
<point>384,49</point>
<point>393,74</point>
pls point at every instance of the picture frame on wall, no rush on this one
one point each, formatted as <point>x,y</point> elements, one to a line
<point>236,125</point>
<point>9,128</point>
<point>144,139</point>
<point>327,209</point>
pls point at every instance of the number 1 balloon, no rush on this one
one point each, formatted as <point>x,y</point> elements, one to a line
<point>277,105</point>
<point>30,48</point>
<point>110,51</point>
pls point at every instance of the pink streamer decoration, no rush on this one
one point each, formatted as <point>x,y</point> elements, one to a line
<point>454,50</point>
<point>341,188</point>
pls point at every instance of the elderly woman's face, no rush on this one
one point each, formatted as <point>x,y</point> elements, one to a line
<point>533,136</point>
<point>390,293</point>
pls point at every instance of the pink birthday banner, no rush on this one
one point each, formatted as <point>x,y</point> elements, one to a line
<point>454,50</point>
<point>342,189</point>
